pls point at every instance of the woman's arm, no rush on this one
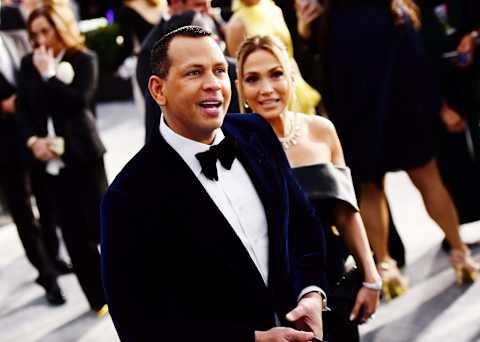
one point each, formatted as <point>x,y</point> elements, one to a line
<point>235,34</point>
<point>352,231</point>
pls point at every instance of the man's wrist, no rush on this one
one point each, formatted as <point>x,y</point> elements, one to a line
<point>315,290</point>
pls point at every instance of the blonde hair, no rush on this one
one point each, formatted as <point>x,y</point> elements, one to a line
<point>406,7</point>
<point>64,23</point>
<point>267,43</point>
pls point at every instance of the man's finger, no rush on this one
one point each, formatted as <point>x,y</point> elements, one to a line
<point>296,313</point>
<point>299,336</point>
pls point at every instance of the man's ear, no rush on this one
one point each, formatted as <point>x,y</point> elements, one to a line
<point>156,87</point>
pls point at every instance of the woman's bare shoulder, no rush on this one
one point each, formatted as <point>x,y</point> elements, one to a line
<point>319,125</point>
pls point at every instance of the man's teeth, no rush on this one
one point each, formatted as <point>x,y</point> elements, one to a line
<point>210,103</point>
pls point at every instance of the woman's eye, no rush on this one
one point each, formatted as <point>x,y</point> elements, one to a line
<point>251,79</point>
<point>277,73</point>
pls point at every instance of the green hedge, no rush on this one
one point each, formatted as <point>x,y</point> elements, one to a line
<point>104,42</point>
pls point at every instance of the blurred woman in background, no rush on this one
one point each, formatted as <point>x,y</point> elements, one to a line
<point>382,98</point>
<point>136,18</point>
<point>57,84</point>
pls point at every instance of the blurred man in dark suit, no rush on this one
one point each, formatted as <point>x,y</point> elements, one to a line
<point>11,18</point>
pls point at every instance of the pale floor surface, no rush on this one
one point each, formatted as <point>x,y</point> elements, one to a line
<point>434,309</point>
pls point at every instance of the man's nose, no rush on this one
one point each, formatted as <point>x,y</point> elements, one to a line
<point>212,82</point>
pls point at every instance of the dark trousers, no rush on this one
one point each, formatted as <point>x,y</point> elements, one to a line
<point>77,194</point>
<point>340,330</point>
<point>14,183</point>
<point>46,207</point>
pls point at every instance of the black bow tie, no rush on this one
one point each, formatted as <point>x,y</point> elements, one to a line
<point>225,152</point>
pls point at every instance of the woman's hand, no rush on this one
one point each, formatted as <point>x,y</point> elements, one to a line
<point>44,61</point>
<point>307,11</point>
<point>466,49</point>
<point>451,119</point>
<point>8,105</point>
<point>41,151</point>
<point>366,304</point>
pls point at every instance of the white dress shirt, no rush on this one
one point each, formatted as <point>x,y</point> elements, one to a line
<point>233,193</point>
<point>6,63</point>
<point>54,166</point>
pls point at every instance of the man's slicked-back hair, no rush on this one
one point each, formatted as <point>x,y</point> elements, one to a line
<point>159,62</point>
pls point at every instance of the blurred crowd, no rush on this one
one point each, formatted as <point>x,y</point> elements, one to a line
<point>396,82</point>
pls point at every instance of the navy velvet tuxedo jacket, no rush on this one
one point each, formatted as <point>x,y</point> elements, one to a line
<point>174,269</point>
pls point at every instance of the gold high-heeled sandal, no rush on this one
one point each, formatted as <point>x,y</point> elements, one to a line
<point>466,269</point>
<point>393,283</point>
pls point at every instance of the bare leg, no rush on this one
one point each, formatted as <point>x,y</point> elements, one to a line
<point>373,206</point>
<point>375,214</point>
<point>441,209</point>
<point>437,201</point>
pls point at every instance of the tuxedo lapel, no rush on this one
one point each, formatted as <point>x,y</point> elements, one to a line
<point>198,215</point>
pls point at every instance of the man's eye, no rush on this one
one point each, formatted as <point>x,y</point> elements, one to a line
<point>221,70</point>
<point>193,73</point>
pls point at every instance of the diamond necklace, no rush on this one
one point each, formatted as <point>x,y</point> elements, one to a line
<point>290,139</point>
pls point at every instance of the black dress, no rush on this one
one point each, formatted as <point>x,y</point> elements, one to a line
<point>325,185</point>
<point>379,92</point>
<point>132,27</point>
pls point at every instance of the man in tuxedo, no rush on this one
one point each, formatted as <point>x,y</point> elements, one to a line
<point>13,171</point>
<point>206,236</point>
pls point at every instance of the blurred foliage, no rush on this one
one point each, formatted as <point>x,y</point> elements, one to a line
<point>103,41</point>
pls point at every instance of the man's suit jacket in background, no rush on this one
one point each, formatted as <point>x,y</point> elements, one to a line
<point>11,18</point>
<point>174,269</point>
<point>16,44</point>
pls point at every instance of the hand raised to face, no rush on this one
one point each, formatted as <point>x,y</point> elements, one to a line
<point>44,61</point>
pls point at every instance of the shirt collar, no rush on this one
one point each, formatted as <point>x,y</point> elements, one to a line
<point>187,148</point>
